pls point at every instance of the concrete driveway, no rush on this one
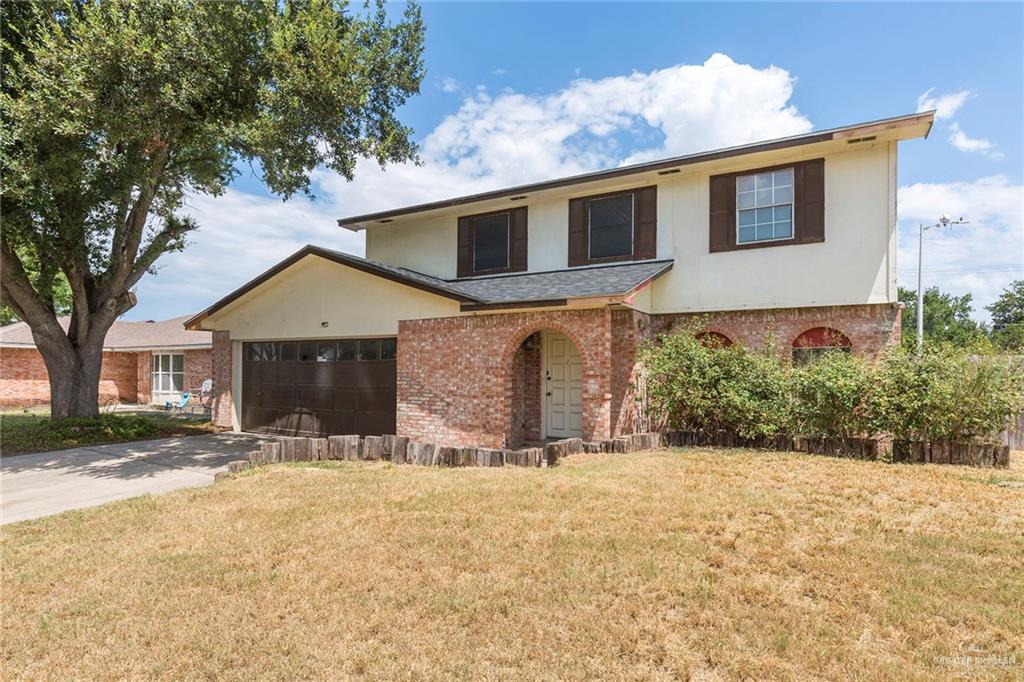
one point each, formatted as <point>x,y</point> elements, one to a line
<point>51,482</point>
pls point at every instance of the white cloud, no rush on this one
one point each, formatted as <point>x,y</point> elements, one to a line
<point>490,141</point>
<point>499,72</point>
<point>959,139</point>
<point>981,257</point>
<point>450,85</point>
<point>945,106</point>
<point>511,138</point>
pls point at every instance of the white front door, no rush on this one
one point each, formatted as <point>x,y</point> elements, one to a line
<point>563,387</point>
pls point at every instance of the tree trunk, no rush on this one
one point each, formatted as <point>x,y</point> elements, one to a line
<point>74,379</point>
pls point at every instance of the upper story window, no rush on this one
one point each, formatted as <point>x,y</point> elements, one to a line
<point>492,243</point>
<point>764,206</point>
<point>613,227</point>
<point>775,206</point>
<point>610,221</point>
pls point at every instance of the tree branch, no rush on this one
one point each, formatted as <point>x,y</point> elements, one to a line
<point>24,298</point>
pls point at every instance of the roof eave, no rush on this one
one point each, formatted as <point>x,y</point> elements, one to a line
<point>194,322</point>
<point>357,223</point>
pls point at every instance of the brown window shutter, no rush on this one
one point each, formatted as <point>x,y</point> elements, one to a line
<point>578,242</point>
<point>809,188</point>
<point>722,219</point>
<point>465,249</point>
<point>645,220</point>
<point>517,240</point>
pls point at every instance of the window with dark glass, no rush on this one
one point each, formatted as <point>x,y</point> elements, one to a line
<point>368,349</point>
<point>307,351</point>
<point>490,242</point>
<point>611,226</point>
<point>388,349</point>
<point>325,352</point>
<point>347,350</point>
<point>288,352</point>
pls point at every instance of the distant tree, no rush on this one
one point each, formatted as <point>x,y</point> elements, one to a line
<point>947,317</point>
<point>114,111</point>
<point>1008,317</point>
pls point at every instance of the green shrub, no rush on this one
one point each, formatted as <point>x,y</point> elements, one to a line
<point>832,397</point>
<point>946,394</point>
<point>691,386</point>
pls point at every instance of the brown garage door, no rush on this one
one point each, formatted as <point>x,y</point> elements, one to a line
<point>321,387</point>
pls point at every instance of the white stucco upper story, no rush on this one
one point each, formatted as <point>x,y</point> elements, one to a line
<point>854,264</point>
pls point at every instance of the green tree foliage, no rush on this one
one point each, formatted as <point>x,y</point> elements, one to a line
<point>1008,317</point>
<point>115,111</point>
<point>947,318</point>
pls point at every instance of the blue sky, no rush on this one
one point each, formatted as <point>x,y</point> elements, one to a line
<point>523,91</point>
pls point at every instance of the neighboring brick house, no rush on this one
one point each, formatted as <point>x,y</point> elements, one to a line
<point>515,315</point>
<point>143,363</point>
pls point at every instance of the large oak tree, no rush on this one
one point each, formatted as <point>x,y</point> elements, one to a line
<point>114,111</point>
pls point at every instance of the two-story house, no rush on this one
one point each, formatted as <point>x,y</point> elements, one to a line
<point>514,315</point>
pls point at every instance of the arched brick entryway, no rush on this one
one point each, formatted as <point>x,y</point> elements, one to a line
<point>526,391</point>
<point>455,374</point>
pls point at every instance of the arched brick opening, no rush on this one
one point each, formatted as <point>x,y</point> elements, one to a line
<point>713,339</point>
<point>811,343</point>
<point>522,414</point>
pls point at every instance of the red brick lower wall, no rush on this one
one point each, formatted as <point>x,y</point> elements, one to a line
<point>25,381</point>
<point>871,327</point>
<point>198,368</point>
<point>464,381</point>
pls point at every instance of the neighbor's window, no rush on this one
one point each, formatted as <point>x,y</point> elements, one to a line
<point>610,222</point>
<point>168,373</point>
<point>764,206</point>
<point>490,242</point>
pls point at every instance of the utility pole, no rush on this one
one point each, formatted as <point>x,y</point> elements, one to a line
<point>944,221</point>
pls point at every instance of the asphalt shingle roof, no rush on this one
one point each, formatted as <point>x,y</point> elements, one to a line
<point>583,282</point>
<point>601,280</point>
<point>123,335</point>
<point>597,280</point>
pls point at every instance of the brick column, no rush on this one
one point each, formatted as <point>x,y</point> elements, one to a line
<point>144,377</point>
<point>222,360</point>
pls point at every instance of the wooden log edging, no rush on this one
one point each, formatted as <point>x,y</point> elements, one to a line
<point>401,450</point>
<point>874,449</point>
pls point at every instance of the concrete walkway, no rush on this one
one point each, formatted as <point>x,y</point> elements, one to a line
<point>47,483</point>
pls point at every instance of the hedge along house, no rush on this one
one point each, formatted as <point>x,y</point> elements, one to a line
<point>143,363</point>
<point>514,315</point>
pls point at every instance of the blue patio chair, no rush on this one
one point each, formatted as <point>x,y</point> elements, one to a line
<point>178,406</point>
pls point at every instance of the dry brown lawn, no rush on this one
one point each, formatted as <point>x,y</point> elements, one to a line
<point>671,564</point>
